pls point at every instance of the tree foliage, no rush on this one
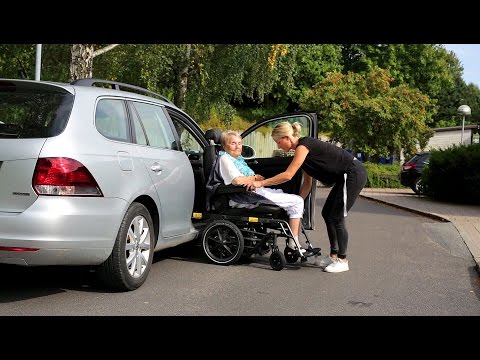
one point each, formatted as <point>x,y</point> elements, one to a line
<point>217,76</point>
<point>16,61</point>
<point>150,66</point>
<point>225,75</point>
<point>344,82</point>
<point>366,113</point>
<point>471,97</point>
<point>306,65</point>
<point>428,67</point>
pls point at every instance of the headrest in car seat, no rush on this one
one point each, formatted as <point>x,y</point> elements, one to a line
<point>214,135</point>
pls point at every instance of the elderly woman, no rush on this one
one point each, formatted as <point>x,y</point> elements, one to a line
<point>234,170</point>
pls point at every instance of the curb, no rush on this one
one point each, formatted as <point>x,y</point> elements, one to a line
<point>418,212</point>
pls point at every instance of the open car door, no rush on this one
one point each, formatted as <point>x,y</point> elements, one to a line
<point>263,156</point>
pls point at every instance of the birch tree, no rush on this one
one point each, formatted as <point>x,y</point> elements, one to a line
<point>81,64</point>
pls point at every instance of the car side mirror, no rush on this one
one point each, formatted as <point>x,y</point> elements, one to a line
<point>248,152</point>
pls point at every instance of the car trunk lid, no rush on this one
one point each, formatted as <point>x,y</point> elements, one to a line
<point>18,158</point>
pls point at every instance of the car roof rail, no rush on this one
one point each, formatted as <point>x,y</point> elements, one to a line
<point>118,86</point>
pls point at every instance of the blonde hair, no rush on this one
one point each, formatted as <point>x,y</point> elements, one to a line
<point>284,129</point>
<point>227,135</point>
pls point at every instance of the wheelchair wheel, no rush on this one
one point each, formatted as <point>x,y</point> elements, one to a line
<point>277,260</point>
<point>222,242</point>
<point>291,256</point>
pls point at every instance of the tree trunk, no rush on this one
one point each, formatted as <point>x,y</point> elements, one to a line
<point>181,92</point>
<point>81,65</point>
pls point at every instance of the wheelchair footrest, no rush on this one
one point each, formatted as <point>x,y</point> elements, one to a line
<point>312,252</point>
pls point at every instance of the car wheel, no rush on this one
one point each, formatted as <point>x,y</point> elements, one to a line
<point>418,186</point>
<point>129,263</point>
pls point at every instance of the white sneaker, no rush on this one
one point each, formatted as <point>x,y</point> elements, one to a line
<point>324,262</point>
<point>337,266</point>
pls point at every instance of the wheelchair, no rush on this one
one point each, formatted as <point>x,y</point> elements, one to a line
<point>227,234</point>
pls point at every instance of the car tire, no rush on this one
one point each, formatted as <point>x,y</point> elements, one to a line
<point>128,265</point>
<point>417,186</point>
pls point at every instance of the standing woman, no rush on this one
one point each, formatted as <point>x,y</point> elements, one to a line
<point>329,164</point>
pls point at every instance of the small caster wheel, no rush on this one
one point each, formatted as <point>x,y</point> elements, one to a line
<point>277,260</point>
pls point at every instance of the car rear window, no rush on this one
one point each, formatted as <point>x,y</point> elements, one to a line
<point>419,157</point>
<point>414,159</point>
<point>32,110</point>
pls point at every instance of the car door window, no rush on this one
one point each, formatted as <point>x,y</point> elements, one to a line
<point>138,131</point>
<point>189,144</point>
<point>155,123</point>
<point>261,140</point>
<point>189,139</point>
<point>111,119</point>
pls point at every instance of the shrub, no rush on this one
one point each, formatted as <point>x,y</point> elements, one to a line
<point>382,175</point>
<point>453,174</point>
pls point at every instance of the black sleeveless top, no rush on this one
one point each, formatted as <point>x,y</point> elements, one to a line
<point>325,162</point>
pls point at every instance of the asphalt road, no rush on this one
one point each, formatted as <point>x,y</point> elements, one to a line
<point>401,264</point>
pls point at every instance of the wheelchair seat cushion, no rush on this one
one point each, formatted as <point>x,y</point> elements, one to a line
<point>260,210</point>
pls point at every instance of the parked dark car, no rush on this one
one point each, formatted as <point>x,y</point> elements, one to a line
<point>411,173</point>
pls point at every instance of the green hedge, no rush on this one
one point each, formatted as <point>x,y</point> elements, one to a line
<point>383,175</point>
<point>453,174</point>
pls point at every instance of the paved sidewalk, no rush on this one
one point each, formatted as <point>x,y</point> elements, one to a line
<point>466,218</point>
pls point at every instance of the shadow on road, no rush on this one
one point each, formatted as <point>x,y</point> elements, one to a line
<point>193,252</point>
<point>20,283</point>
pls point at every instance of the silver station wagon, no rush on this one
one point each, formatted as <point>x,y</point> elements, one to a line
<point>100,176</point>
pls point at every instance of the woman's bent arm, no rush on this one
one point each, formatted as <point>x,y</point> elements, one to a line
<point>298,159</point>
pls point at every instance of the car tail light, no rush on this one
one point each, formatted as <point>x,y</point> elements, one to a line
<point>63,177</point>
<point>408,166</point>
<point>16,248</point>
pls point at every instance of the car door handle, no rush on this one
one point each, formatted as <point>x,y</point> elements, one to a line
<point>156,167</point>
<point>254,162</point>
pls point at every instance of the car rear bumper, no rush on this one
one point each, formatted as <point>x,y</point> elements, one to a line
<point>65,230</point>
<point>407,178</point>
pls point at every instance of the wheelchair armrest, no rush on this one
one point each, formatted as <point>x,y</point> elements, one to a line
<point>230,189</point>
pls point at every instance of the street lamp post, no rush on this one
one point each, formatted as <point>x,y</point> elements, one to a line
<point>38,62</point>
<point>463,110</point>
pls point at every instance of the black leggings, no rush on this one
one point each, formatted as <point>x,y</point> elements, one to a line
<point>335,209</point>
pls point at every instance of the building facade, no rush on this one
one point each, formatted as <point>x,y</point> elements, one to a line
<point>448,136</point>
